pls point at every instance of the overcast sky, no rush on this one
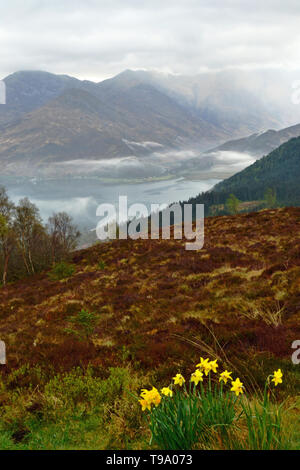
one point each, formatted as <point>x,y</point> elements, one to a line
<point>96,39</point>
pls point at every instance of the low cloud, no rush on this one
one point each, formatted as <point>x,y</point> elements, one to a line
<point>158,164</point>
<point>82,209</point>
<point>118,168</point>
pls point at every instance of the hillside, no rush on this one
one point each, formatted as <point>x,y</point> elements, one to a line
<point>157,308</point>
<point>159,290</point>
<point>279,171</point>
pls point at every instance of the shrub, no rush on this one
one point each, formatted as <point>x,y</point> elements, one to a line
<point>101,265</point>
<point>90,408</point>
<point>61,271</point>
<point>84,323</point>
<point>85,389</point>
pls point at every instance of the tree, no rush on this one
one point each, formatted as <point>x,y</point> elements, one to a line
<point>28,227</point>
<point>7,233</point>
<point>232,204</point>
<point>7,243</point>
<point>63,235</point>
<point>270,198</point>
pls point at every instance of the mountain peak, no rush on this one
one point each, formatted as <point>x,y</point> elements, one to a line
<point>27,74</point>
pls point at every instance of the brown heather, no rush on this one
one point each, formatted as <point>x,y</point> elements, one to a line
<point>161,307</point>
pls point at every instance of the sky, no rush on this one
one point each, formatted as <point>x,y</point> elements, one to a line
<point>97,39</point>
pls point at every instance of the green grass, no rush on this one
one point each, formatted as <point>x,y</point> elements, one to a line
<point>82,409</point>
<point>93,408</point>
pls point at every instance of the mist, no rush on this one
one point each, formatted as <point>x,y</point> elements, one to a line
<point>159,164</point>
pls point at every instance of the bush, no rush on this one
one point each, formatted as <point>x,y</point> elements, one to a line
<point>101,265</point>
<point>84,323</point>
<point>61,271</point>
<point>90,408</point>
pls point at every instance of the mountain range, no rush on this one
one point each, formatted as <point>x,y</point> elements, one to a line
<point>49,119</point>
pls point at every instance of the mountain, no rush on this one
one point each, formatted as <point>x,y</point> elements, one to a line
<point>57,118</point>
<point>52,118</point>
<point>74,125</point>
<point>29,90</point>
<point>242,102</point>
<point>280,171</point>
<point>260,144</point>
<point>78,124</point>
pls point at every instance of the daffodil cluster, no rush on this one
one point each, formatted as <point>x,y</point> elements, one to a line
<point>205,366</point>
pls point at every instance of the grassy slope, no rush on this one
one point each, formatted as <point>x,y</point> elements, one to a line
<point>158,308</point>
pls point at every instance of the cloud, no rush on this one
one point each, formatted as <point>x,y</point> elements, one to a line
<point>231,162</point>
<point>117,168</point>
<point>95,39</point>
<point>157,164</point>
<point>80,208</point>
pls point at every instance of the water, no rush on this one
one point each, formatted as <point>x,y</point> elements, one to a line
<point>81,197</point>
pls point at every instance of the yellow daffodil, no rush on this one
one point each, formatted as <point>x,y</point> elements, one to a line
<point>197,377</point>
<point>145,405</point>
<point>152,397</point>
<point>214,365</point>
<point>167,392</point>
<point>277,377</point>
<point>237,387</point>
<point>225,376</point>
<point>179,380</point>
<point>204,365</point>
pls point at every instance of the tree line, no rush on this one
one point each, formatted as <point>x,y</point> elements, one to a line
<point>27,245</point>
